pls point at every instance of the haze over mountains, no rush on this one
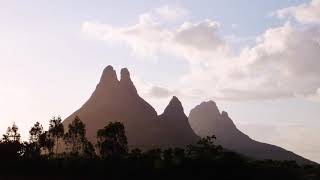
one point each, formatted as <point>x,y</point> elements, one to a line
<point>206,119</point>
<point>118,100</point>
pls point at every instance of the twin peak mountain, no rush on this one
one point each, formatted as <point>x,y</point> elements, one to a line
<point>118,100</point>
<point>115,100</point>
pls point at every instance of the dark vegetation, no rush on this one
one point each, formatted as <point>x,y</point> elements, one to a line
<point>42,157</point>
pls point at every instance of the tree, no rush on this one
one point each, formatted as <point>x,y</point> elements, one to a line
<point>204,149</point>
<point>75,138</point>
<point>179,155</point>
<point>136,154</point>
<point>33,148</point>
<point>112,140</point>
<point>35,132</point>
<point>168,155</point>
<point>56,131</point>
<point>89,151</point>
<point>12,134</point>
<point>154,157</point>
<point>10,147</point>
<point>46,142</point>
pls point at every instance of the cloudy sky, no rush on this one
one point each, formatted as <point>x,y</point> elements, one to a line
<point>260,61</point>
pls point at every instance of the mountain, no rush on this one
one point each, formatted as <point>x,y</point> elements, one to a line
<point>177,124</point>
<point>118,100</point>
<point>206,119</point>
<point>115,100</point>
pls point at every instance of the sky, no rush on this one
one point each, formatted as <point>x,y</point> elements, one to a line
<point>258,60</point>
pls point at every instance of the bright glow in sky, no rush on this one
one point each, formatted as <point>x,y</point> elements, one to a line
<point>258,60</point>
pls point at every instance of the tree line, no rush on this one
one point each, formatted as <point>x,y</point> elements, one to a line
<point>56,143</point>
<point>68,153</point>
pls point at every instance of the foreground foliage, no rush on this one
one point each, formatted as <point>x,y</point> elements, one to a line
<point>41,158</point>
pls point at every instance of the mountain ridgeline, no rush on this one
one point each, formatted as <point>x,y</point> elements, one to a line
<point>118,100</point>
<point>115,100</point>
<point>206,119</point>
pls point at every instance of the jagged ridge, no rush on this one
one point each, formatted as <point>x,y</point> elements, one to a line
<point>115,100</point>
<point>118,100</point>
<point>205,119</point>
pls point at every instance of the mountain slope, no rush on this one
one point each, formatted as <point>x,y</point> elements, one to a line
<point>177,124</point>
<point>205,119</point>
<point>118,100</point>
<point>115,100</point>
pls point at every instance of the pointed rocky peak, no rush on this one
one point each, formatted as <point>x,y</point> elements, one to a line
<point>174,106</point>
<point>224,114</point>
<point>227,121</point>
<point>208,107</point>
<point>209,103</point>
<point>109,76</point>
<point>125,81</point>
<point>206,119</point>
<point>125,75</point>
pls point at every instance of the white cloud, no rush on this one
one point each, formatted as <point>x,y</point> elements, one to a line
<point>149,38</point>
<point>158,96</point>
<point>305,13</point>
<point>171,13</point>
<point>145,37</point>
<point>201,36</point>
<point>150,90</point>
<point>161,92</point>
<point>283,62</point>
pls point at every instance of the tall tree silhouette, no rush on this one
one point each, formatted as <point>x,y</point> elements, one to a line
<point>56,130</point>
<point>204,149</point>
<point>12,134</point>
<point>35,132</point>
<point>10,147</point>
<point>46,142</point>
<point>75,138</point>
<point>112,140</point>
<point>33,148</point>
<point>89,151</point>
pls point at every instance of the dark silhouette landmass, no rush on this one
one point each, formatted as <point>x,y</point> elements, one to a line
<point>112,159</point>
<point>115,100</point>
<point>206,119</point>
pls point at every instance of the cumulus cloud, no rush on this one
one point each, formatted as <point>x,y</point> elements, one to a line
<point>282,63</point>
<point>160,92</point>
<point>148,38</point>
<point>305,13</point>
<point>171,13</point>
<point>202,36</point>
<point>145,38</point>
<point>150,90</point>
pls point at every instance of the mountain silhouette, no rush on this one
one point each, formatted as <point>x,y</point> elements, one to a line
<point>176,123</point>
<point>206,119</point>
<point>118,100</point>
<point>115,100</point>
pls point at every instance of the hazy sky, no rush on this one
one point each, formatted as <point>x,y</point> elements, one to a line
<point>259,60</point>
